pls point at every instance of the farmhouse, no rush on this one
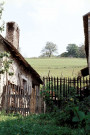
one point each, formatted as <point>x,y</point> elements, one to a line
<point>24,75</point>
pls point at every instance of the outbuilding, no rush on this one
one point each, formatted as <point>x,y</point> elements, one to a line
<point>24,75</point>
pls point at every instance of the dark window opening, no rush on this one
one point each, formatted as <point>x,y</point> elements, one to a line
<point>24,84</point>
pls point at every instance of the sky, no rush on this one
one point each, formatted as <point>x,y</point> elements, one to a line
<point>57,21</point>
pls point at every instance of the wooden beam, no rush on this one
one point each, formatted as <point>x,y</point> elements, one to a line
<point>89,43</point>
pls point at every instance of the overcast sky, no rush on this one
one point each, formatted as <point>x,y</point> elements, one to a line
<point>57,21</point>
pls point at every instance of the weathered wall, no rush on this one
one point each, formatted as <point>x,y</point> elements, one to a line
<point>1,76</point>
<point>19,74</point>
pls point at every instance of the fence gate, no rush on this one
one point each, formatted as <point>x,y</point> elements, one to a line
<point>15,99</point>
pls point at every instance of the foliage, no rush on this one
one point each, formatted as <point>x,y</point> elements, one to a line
<point>73,113</point>
<point>6,63</point>
<point>82,119</point>
<point>64,54</point>
<point>73,117</point>
<point>84,105</point>
<point>49,49</point>
<point>1,10</point>
<point>74,51</point>
<point>70,119</point>
<point>82,51</point>
<point>43,124</point>
<point>48,99</point>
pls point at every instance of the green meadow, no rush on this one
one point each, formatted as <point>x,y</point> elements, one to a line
<point>61,67</point>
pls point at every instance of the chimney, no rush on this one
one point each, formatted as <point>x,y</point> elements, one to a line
<point>12,34</point>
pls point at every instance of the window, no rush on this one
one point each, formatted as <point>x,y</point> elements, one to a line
<point>24,83</point>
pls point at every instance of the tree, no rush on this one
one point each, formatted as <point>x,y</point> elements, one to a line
<point>49,49</point>
<point>1,9</point>
<point>64,54</point>
<point>5,63</point>
<point>82,51</point>
<point>72,50</point>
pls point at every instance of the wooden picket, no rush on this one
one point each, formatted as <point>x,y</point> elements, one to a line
<point>16,100</point>
<point>64,87</point>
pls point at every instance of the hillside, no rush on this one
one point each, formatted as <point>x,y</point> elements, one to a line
<point>61,67</point>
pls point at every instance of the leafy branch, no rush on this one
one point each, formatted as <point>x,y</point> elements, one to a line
<point>6,62</point>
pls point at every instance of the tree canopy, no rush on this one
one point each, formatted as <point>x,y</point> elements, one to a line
<point>49,49</point>
<point>74,51</point>
<point>82,53</point>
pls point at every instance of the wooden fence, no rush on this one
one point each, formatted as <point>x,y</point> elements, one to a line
<point>65,87</point>
<point>15,99</point>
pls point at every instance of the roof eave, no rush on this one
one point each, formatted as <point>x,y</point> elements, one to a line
<point>28,66</point>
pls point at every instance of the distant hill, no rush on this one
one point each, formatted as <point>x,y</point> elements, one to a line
<point>61,67</point>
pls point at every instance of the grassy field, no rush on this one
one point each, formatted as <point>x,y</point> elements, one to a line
<point>61,67</point>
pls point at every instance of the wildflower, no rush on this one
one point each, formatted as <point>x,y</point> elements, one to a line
<point>71,99</point>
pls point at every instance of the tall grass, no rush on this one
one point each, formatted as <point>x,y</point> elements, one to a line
<point>43,124</point>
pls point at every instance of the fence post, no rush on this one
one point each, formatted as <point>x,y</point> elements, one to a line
<point>64,88</point>
<point>7,95</point>
<point>52,86</point>
<point>77,86</point>
<point>44,84</point>
<point>39,101</point>
<point>55,87</point>
<point>80,86</point>
<point>60,88</point>
<point>68,85</point>
<point>5,105</point>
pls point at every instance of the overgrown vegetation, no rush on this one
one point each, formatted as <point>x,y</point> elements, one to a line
<point>74,112</point>
<point>71,120</point>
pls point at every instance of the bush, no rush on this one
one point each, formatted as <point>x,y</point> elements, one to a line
<point>84,105</point>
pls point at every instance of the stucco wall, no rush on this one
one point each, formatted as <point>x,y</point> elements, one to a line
<point>19,73</point>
